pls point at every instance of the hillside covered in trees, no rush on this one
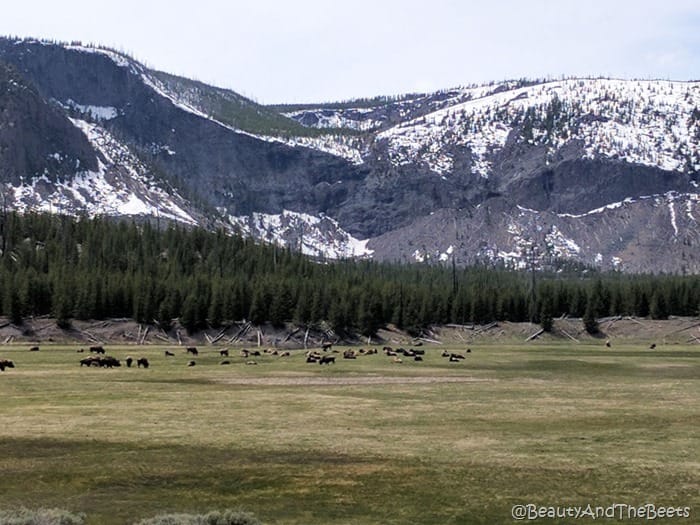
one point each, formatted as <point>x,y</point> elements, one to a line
<point>100,268</point>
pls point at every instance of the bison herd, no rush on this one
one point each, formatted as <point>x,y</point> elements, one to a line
<point>324,356</point>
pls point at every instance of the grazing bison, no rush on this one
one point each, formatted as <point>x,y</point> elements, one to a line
<point>129,360</point>
<point>652,346</point>
<point>191,350</point>
<point>106,361</point>
<point>456,356</point>
<point>6,363</point>
<point>285,354</point>
<point>142,362</point>
<point>326,346</point>
<point>191,363</point>
<point>312,359</point>
<point>89,361</point>
<point>34,349</point>
<point>225,362</point>
<point>245,353</point>
<point>109,361</point>
<point>168,354</point>
<point>97,350</point>
<point>223,352</point>
<point>417,358</point>
<point>326,360</point>
<point>255,353</point>
<point>349,354</point>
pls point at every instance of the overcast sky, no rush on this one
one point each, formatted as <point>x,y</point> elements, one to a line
<point>321,50</point>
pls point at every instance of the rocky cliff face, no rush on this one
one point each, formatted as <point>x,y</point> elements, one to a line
<point>578,168</point>
<point>37,139</point>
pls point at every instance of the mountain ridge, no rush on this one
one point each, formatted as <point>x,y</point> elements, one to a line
<point>359,180</point>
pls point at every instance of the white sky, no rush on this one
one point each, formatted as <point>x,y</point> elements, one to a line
<point>321,50</point>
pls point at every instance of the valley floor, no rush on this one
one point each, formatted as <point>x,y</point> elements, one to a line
<point>362,441</point>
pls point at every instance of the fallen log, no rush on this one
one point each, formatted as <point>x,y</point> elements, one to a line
<point>290,335</point>
<point>569,335</point>
<point>429,340</point>
<point>145,333</point>
<point>535,335</point>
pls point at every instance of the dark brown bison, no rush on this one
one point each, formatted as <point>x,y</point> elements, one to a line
<point>652,346</point>
<point>326,346</point>
<point>142,362</point>
<point>191,363</point>
<point>223,352</point>
<point>34,349</point>
<point>349,354</point>
<point>129,360</point>
<point>90,361</point>
<point>168,353</point>
<point>417,358</point>
<point>97,350</point>
<point>6,363</point>
<point>326,360</point>
<point>109,361</point>
<point>225,362</point>
<point>191,350</point>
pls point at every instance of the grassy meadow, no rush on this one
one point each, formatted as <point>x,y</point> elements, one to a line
<point>363,441</point>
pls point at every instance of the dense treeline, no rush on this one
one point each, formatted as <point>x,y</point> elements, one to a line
<point>99,268</point>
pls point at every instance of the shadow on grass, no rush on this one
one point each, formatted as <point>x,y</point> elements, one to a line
<point>120,483</point>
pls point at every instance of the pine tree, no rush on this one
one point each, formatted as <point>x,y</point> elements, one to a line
<point>590,317</point>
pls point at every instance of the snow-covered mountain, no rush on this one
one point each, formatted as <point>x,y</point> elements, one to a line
<point>569,169</point>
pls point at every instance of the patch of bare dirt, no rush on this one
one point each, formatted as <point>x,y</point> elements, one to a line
<point>676,330</point>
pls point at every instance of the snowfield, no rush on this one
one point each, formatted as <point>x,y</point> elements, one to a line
<point>653,123</point>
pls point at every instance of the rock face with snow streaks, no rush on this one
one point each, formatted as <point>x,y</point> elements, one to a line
<point>578,168</point>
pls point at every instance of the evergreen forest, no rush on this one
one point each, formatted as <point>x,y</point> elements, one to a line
<point>96,268</point>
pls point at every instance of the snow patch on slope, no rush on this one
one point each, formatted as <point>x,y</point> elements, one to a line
<point>316,236</point>
<point>120,186</point>
<point>95,112</point>
<point>653,123</point>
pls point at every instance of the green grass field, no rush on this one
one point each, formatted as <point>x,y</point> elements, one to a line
<point>358,442</point>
